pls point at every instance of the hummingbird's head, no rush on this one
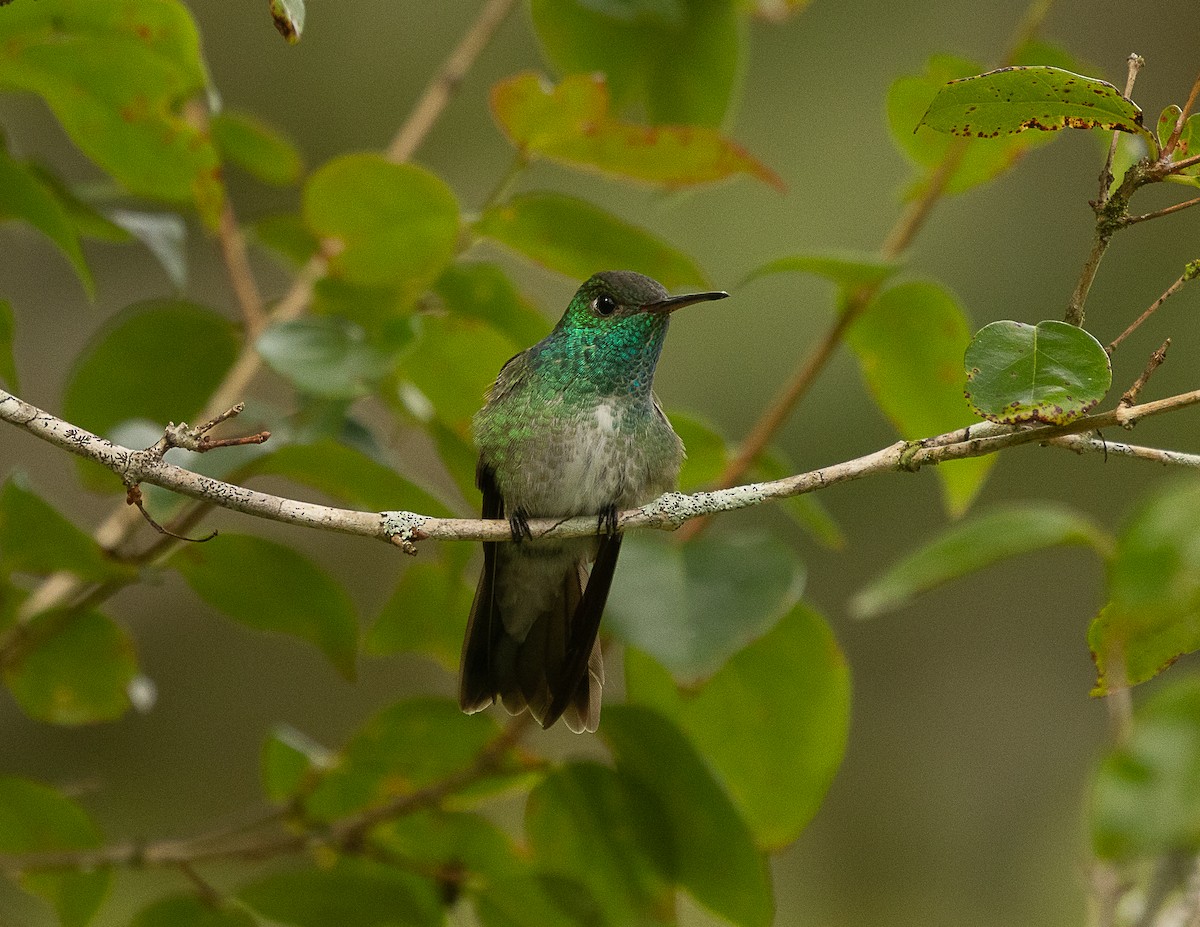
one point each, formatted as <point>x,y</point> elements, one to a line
<point>609,298</point>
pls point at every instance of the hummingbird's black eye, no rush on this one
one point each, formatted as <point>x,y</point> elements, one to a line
<point>605,305</point>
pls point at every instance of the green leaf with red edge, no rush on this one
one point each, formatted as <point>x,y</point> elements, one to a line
<point>257,148</point>
<point>910,343</point>
<point>192,911</point>
<point>73,668</point>
<point>1015,99</point>
<point>571,124</point>
<point>909,98</point>
<point>35,819</point>
<point>271,587</point>
<point>116,76</point>
<point>578,239</point>
<point>396,224</point>
<point>1187,145</point>
<point>25,196</point>
<point>679,60</point>
<point>1153,613</point>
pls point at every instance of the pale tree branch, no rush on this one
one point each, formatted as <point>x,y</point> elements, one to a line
<point>668,512</point>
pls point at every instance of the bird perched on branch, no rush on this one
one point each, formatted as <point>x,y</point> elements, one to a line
<point>571,427</point>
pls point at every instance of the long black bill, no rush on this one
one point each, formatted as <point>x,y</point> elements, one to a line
<point>671,303</point>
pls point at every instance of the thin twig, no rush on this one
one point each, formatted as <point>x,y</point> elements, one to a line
<point>1130,396</point>
<point>1136,63</point>
<point>1159,213</point>
<point>1190,272</point>
<point>1082,443</point>
<point>242,844</point>
<point>241,276</point>
<point>1177,131</point>
<point>440,91</point>
<point>895,243</point>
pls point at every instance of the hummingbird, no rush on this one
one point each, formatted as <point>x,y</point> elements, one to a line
<point>570,427</point>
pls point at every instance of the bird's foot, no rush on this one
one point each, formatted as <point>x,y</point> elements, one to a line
<point>518,524</point>
<point>607,520</point>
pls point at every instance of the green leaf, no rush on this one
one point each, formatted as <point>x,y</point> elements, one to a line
<point>578,239</point>
<point>1153,614</point>
<point>116,75</point>
<point>288,16</point>
<point>427,614</point>
<point>706,452</point>
<point>1144,800</point>
<point>74,668</point>
<point>165,237</point>
<point>35,819</point>
<point>713,852</point>
<point>257,148</point>
<point>772,722</point>
<point>190,911</point>
<point>288,758</point>
<point>454,363</point>
<point>808,511</point>
<point>571,124</point>
<point>158,360</point>
<point>381,309</point>
<point>1188,143</point>
<point>587,822</point>
<point>326,356</point>
<point>1011,100</point>
<point>288,236</point>
<point>271,587</point>
<point>849,270</point>
<point>354,893</point>
<point>450,841</point>
<point>483,291</point>
<point>409,745</point>
<point>680,59</point>
<point>1051,372</point>
<point>908,99</point>
<point>709,598</point>
<point>975,544</point>
<point>346,474</point>
<point>36,538</point>
<point>24,195</point>
<point>395,224</point>
<point>536,900</point>
<point>910,344</point>
<point>8,363</point>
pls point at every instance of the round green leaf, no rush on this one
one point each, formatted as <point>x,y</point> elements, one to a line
<point>708,598</point>
<point>396,223</point>
<point>587,822</point>
<point>75,669</point>
<point>122,374</point>
<point>325,356</point>
<point>483,291</point>
<point>711,850</point>
<point>288,757</point>
<point>438,839</point>
<point>538,899</point>
<point>34,819</point>
<point>271,587</point>
<point>354,893</point>
<point>847,270</point>
<point>453,364</point>
<point>910,343</point>
<point>578,239</point>
<point>1051,372</point>
<point>427,613</point>
<point>257,148</point>
<point>190,911</point>
<point>1145,800</point>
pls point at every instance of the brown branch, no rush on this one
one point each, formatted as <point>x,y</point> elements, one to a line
<point>1159,213</point>
<point>241,276</point>
<point>1130,396</point>
<point>1136,63</point>
<point>245,843</point>
<point>1180,122</point>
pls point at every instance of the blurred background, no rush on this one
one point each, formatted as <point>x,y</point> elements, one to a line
<point>960,799</point>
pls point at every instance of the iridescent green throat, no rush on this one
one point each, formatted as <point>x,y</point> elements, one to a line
<point>605,357</point>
